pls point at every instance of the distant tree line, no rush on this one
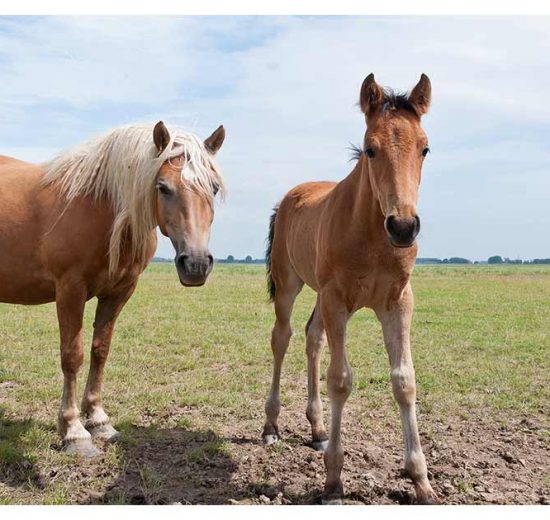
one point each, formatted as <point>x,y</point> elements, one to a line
<point>453,260</point>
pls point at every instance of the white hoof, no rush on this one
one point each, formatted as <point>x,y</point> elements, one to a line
<point>270,439</point>
<point>319,445</point>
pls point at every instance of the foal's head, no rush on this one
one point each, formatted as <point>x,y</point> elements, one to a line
<point>395,147</point>
<point>185,205</point>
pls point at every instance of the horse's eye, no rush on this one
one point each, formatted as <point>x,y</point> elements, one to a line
<point>165,190</point>
<point>216,189</point>
<point>370,152</point>
<point>426,151</point>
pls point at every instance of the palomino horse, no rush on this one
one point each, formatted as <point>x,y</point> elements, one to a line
<point>353,242</point>
<point>83,225</point>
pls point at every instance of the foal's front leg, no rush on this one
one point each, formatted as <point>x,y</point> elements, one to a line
<point>70,301</point>
<point>108,309</point>
<point>335,317</point>
<point>396,326</point>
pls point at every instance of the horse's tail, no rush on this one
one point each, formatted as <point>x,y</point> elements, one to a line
<point>270,282</point>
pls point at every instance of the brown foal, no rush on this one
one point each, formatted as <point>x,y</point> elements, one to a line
<point>83,226</point>
<point>353,242</point>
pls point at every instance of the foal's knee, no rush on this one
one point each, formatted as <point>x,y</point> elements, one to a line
<point>280,336</point>
<point>339,382</point>
<point>403,384</point>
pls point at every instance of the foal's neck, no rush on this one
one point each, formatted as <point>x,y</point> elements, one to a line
<point>367,219</point>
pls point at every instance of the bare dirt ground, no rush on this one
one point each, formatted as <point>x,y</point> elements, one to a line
<point>221,460</point>
<point>472,461</point>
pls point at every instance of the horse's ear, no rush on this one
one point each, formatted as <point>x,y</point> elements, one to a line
<point>372,95</point>
<point>161,137</point>
<point>215,141</point>
<point>421,95</point>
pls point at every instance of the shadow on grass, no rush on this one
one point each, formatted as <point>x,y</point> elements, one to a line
<point>174,465</point>
<point>17,468</point>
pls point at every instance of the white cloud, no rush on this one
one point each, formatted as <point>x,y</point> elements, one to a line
<point>286,88</point>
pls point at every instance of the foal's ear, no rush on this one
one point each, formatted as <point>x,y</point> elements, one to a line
<point>161,137</point>
<point>215,141</point>
<point>421,95</point>
<point>372,95</point>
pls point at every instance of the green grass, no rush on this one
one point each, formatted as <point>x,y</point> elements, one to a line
<point>480,345</point>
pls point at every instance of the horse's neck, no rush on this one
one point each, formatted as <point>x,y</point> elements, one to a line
<point>355,195</point>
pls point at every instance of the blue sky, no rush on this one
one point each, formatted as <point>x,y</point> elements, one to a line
<point>286,90</point>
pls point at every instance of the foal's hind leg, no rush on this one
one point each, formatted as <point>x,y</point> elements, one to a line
<point>70,300</point>
<point>280,338</point>
<point>396,325</point>
<point>108,309</point>
<point>315,340</point>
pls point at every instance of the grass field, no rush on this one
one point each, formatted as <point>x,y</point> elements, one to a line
<point>190,368</point>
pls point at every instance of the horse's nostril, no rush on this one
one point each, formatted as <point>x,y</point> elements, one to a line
<point>210,259</point>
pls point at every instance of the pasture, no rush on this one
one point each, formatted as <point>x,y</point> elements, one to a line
<point>189,372</point>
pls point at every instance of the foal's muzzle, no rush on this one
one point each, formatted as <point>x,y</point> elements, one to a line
<point>402,231</point>
<point>193,270</point>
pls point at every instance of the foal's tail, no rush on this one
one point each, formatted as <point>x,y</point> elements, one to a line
<point>270,282</point>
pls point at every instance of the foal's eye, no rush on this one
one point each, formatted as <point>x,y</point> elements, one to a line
<point>370,152</point>
<point>426,151</point>
<point>165,190</point>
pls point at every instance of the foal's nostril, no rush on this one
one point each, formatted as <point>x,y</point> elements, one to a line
<point>417,227</point>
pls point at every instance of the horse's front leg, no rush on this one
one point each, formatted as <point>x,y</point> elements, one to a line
<point>335,317</point>
<point>396,326</point>
<point>108,309</point>
<point>70,301</point>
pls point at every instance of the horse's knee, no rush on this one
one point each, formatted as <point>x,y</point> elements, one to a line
<point>339,382</point>
<point>100,350</point>
<point>280,337</point>
<point>403,385</point>
<point>71,359</point>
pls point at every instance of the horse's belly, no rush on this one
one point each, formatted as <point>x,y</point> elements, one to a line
<point>26,291</point>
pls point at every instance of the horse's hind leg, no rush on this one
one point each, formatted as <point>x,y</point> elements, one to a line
<point>108,309</point>
<point>70,301</point>
<point>315,340</point>
<point>285,295</point>
<point>396,324</point>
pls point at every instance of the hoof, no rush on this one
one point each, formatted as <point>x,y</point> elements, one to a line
<point>429,499</point>
<point>81,447</point>
<point>320,445</point>
<point>331,501</point>
<point>270,439</point>
<point>104,432</point>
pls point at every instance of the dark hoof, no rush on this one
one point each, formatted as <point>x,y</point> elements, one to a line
<point>270,439</point>
<point>429,499</point>
<point>82,447</point>
<point>319,445</point>
<point>104,432</point>
<point>331,501</point>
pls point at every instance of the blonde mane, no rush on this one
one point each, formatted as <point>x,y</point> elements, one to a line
<point>122,166</point>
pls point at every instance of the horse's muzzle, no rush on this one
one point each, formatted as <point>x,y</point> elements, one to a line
<point>193,270</point>
<point>402,231</point>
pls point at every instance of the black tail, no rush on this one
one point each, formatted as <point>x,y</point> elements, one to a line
<point>270,282</point>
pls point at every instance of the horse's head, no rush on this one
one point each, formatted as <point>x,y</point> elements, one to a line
<point>395,146</point>
<point>186,186</point>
